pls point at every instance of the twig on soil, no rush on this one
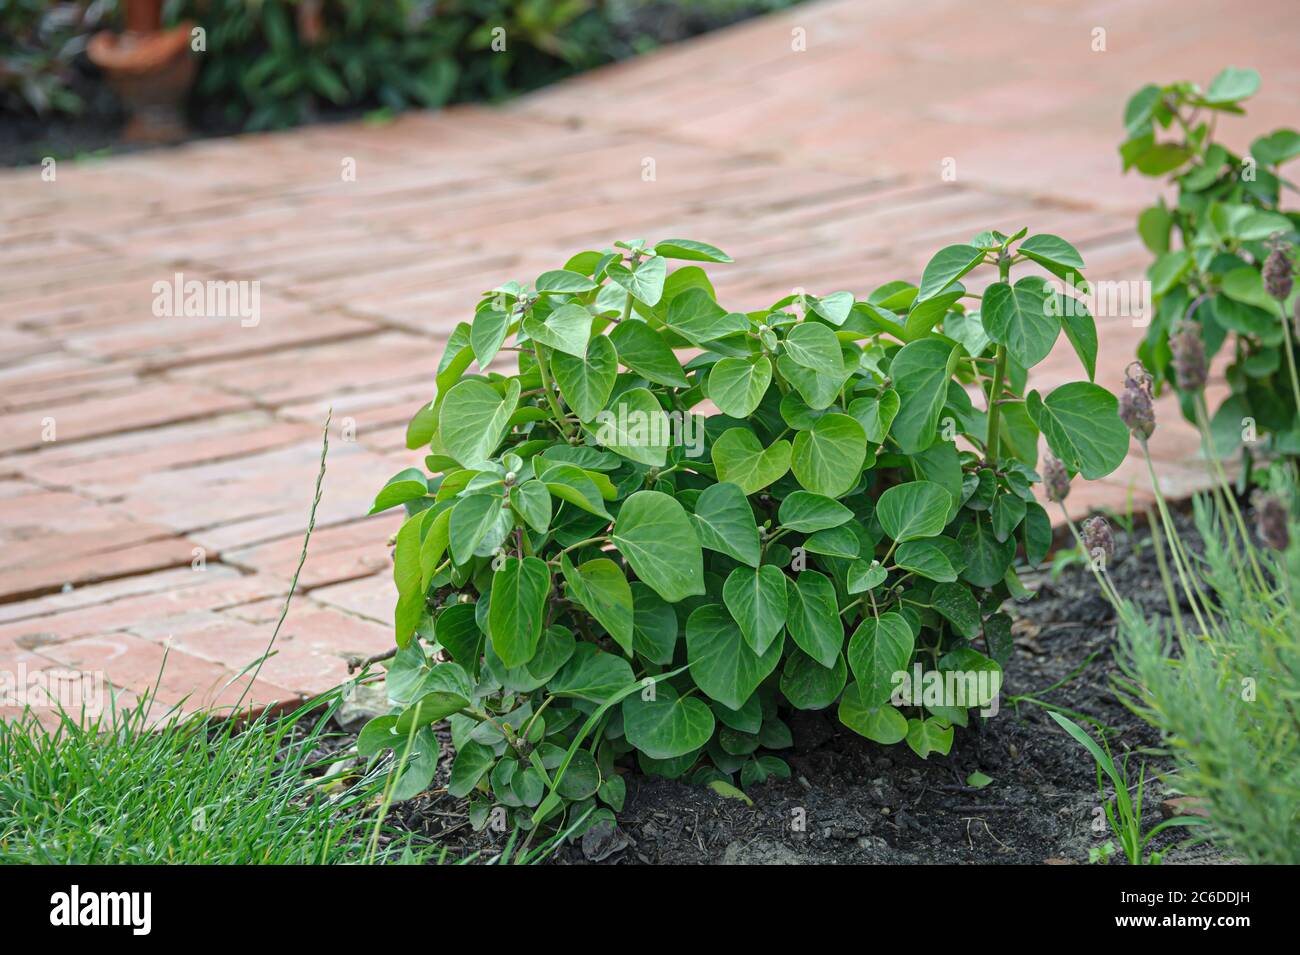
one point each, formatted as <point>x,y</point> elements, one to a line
<point>357,663</point>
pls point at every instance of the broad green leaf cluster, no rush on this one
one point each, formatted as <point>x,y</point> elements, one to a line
<point>649,528</point>
<point>1211,244</point>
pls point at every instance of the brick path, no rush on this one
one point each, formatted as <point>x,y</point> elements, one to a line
<point>183,437</point>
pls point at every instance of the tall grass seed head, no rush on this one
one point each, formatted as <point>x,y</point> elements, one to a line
<point>1136,406</point>
<point>1271,520</point>
<point>1191,367</point>
<point>1097,535</point>
<point>1056,479</point>
<point>1278,271</point>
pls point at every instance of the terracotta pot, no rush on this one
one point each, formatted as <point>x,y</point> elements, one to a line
<point>150,69</point>
<point>143,16</point>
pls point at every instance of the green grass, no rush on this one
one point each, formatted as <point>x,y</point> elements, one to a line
<point>189,791</point>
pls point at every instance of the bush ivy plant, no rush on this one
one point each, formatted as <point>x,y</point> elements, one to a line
<point>668,525</point>
<point>1211,246</point>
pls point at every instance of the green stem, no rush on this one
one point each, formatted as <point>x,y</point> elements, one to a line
<point>544,370</point>
<point>1225,489</point>
<point>1180,557</point>
<point>1291,366</point>
<point>992,442</point>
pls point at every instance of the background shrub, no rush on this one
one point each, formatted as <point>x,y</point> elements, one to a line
<point>274,63</point>
<point>1211,246</point>
<point>598,563</point>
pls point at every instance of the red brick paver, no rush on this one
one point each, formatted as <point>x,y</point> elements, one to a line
<point>155,473</point>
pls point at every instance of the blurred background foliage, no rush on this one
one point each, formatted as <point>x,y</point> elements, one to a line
<point>276,63</point>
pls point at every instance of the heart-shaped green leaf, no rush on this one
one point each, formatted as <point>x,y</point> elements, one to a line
<point>813,617</point>
<point>737,385</point>
<point>636,427</point>
<point>921,373</point>
<point>806,512</point>
<point>814,346</point>
<point>724,522</point>
<point>478,525</point>
<point>926,558</point>
<point>881,723</point>
<point>913,510</point>
<point>642,349</point>
<point>808,685</point>
<point>519,592</point>
<point>1081,423</point>
<point>721,662</point>
<point>591,674</point>
<point>1020,318</point>
<point>876,414</point>
<point>757,599</point>
<point>473,418</point>
<point>655,535</point>
<point>645,283</point>
<point>667,724</point>
<point>930,735</point>
<point>827,458</point>
<point>740,459</point>
<point>586,383</point>
<point>600,587</point>
<point>566,329</point>
<point>879,649</point>
<point>947,266</point>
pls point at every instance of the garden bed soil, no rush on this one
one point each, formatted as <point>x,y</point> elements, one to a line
<point>866,803</point>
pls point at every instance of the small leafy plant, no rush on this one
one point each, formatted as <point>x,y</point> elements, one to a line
<point>1124,809</point>
<point>1225,260</point>
<point>665,524</point>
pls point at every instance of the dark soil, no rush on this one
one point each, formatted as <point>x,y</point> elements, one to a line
<point>865,803</point>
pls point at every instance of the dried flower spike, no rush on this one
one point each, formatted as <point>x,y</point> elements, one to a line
<point>1271,520</point>
<point>1056,479</point>
<point>1097,536</point>
<point>1136,408</point>
<point>1191,369</point>
<point>1278,271</point>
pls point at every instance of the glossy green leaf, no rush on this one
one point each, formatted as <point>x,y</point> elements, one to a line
<point>600,587</point>
<point>667,724</point>
<point>567,329</point>
<point>808,685</point>
<point>1081,423</point>
<point>947,266</point>
<point>913,510</point>
<point>881,724</point>
<point>741,460</point>
<point>724,522</point>
<point>643,350</point>
<point>920,372</point>
<point>879,649</point>
<point>827,458</point>
<point>519,592</point>
<point>655,535</point>
<point>737,385</point>
<point>472,420</point>
<point>586,382</point>
<point>1020,318</point>
<point>758,600</point>
<point>807,512</point>
<point>721,661</point>
<point>813,617</point>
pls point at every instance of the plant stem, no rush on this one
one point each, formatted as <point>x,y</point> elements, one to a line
<point>1225,488</point>
<point>1290,364</point>
<point>999,378</point>
<point>544,370</point>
